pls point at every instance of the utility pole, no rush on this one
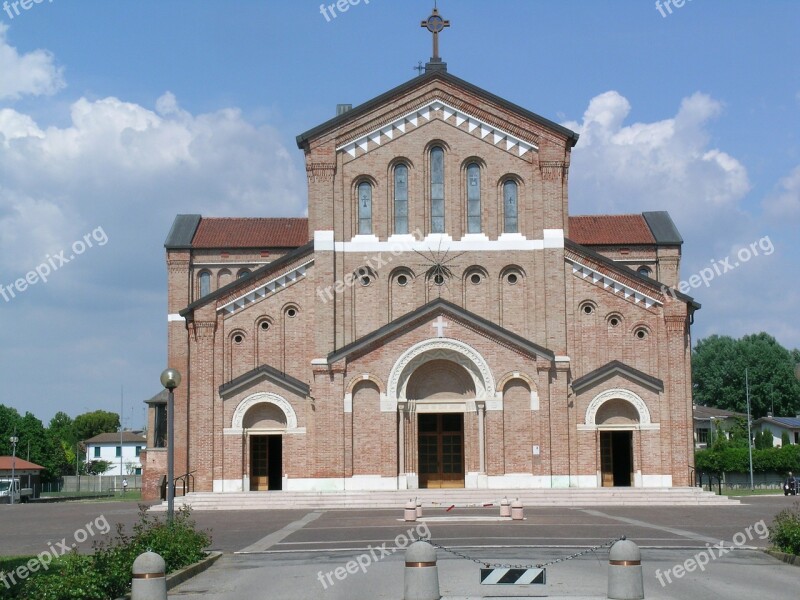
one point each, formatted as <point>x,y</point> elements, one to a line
<point>749,439</point>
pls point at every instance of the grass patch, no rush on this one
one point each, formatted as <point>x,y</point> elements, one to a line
<point>749,492</point>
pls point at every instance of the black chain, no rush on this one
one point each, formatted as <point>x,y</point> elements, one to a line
<point>538,566</point>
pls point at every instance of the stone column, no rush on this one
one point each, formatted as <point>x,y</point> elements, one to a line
<point>401,447</point>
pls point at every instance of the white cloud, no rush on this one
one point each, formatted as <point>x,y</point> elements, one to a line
<point>784,204</point>
<point>33,73</point>
<point>664,165</point>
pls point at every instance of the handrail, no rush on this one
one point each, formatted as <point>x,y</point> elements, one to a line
<point>187,480</point>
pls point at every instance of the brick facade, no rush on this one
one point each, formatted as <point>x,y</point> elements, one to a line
<point>497,359</point>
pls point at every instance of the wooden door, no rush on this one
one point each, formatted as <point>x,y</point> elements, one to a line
<point>441,450</point>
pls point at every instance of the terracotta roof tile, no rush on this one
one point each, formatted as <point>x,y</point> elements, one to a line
<point>251,233</point>
<point>19,464</point>
<point>602,230</point>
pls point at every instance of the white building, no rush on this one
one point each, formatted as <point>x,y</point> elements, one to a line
<point>119,449</point>
<point>777,425</point>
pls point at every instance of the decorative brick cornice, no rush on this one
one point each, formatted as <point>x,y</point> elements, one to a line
<point>320,172</point>
<point>553,169</point>
<point>203,330</point>
<point>177,265</point>
<point>676,323</point>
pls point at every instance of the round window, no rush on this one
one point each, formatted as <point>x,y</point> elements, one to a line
<point>512,278</point>
<point>641,333</point>
<point>438,279</point>
<point>265,325</point>
<point>613,321</point>
<point>402,280</point>
<point>291,313</point>
<point>475,278</point>
<point>587,309</point>
<point>238,338</point>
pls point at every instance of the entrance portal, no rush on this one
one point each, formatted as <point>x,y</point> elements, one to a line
<point>441,450</point>
<point>616,458</point>
<point>266,462</point>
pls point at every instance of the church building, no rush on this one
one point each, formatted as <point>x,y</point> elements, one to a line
<point>438,319</point>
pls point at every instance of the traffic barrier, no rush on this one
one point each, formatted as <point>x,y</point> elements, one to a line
<point>421,573</point>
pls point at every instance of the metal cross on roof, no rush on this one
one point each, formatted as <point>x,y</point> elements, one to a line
<point>435,24</point>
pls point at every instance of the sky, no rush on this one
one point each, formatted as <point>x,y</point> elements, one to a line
<point>116,116</point>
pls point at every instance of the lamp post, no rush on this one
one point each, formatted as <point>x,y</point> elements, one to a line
<point>710,432</point>
<point>170,379</point>
<point>14,441</point>
<point>749,439</point>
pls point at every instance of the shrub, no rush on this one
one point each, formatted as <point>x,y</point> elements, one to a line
<point>784,532</point>
<point>106,573</point>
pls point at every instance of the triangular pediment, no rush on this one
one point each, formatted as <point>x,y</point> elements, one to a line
<point>437,95</point>
<point>425,315</point>
<point>616,367</point>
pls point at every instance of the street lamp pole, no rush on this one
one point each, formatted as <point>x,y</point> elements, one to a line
<point>14,440</point>
<point>749,439</point>
<point>170,379</point>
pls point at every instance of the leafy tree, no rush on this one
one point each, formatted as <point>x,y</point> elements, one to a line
<point>97,467</point>
<point>94,423</point>
<point>718,372</point>
<point>63,427</point>
<point>763,439</point>
<point>35,444</point>
<point>785,441</point>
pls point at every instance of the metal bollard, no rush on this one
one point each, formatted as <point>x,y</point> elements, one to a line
<point>505,508</point>
<point>419,508</point>
<point>149,577</point>
<point>625,579</point>
<point>516,510</point>
<point>422,574</point>
<point>410,512</point>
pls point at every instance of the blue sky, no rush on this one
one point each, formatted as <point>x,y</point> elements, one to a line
<point>115,116</point>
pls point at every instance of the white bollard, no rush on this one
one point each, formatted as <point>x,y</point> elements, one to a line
<point>517,513</point>
<point>149,577</point>
<point>410,512</point>
<point>422,574</point>
<point>505,508</point>
<point>625,578</point>
<point>419,508</point>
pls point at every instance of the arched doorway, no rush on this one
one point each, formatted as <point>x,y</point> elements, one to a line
<point>440,435</point>
<point>264,425</point>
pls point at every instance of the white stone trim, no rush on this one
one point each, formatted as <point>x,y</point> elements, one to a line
<point>440,348</point>
<point>553,238</point>
<point>611,284</point>
<point>622,427</point>
<point>261,398</point>
<point>373,139</point>
<point>348,403</point>
<point>267,289</point>
<point>323,240</point>
<point>621,394</point>
<point>657,481</point>
<point>435,242</point>
<point>534,400</point>
<point>227,485</point>
<point>175,317</point>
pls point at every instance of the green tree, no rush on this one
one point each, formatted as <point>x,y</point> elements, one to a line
<point>35,444</point>
<point>63,427</point>
<point>785,441</point>
<point>718,373</point>
<point>94,423</point>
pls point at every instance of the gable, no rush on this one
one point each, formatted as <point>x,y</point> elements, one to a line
<point>438,109</point>
<point>613,368</point>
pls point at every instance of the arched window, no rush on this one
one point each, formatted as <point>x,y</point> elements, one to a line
<point>242,273</point>
<point>510,209</point>
<point>401,199</point>
<point>474,198</point>
<point>437,190</point>
<point>205,283</point>
<point>364,208</point>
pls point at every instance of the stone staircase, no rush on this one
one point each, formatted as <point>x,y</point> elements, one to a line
<point>461,498</point>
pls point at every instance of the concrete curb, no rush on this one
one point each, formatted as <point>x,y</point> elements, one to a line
<point>181,575</point>
<point>789,559</point>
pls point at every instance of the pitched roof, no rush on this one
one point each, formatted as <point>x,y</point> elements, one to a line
<point>366,107</point>
<point>266,372</point>
<point>787,422</point>
<point>19,464</point>
<point>706,412</point>
<point>425,311</point>
<point>128,437</point>
<point>609,230</point>
<point>616,367</point>
<point>251,233</point>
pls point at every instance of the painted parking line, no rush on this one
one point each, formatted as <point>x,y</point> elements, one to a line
<point>276,537</point>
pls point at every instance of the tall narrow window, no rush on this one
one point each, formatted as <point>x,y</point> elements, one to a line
<point>510,208</point>
<point>437,190</point>
<point>401,199</point>
<point>205,283</point>
<point>364,208</point>
<point>473,198</point>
